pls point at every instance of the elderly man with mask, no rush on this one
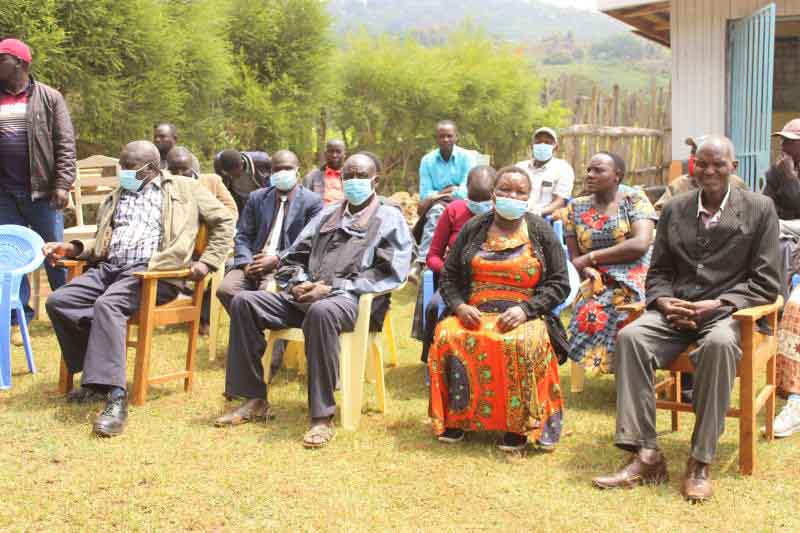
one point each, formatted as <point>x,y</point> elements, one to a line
<point>150,222</point>
<point>698,278</point>
<point>552,177</point>
<point>361,245</point>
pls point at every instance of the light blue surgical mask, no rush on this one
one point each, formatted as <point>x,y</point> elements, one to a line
<point>129,181</point>
<point>284,180</point>
<point>357,190</point>
<point>479,208</point>
<point>509,208</point>
<point>543,152</point>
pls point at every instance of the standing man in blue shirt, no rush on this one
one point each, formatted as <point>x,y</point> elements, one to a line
<point>442,177</point>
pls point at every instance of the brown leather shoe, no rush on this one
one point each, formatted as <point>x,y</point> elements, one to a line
<point>647,467</point>
<point>250,411</point>
<point>696,485</point>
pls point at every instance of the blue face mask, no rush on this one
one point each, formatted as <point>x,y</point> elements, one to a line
<point>128,180</point>
<point>510,209</point>
<point>479,208</point>
<point>357,190</point>
<point>543,152</point>
<point>284,180</point>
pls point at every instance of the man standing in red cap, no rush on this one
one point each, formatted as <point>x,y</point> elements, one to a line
<point>37,156</point>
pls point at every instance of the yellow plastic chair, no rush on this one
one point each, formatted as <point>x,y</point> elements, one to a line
<point>356,346</point>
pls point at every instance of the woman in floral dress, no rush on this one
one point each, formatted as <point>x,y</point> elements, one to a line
<point>493,365</point>
<point>608,233</point>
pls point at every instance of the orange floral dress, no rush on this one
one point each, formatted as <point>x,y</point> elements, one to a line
<point>484,380</point>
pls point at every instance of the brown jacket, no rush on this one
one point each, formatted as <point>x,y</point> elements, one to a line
<point>51,141</point>
<point>737,261</point>
<point>213,183</point>
<point>187,203</point>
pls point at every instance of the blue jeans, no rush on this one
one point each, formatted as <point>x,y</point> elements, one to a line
<point>19,209</point>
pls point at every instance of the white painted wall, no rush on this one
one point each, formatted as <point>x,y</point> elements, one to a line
<point>698,37</point>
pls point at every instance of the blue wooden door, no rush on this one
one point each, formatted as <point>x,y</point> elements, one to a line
<point>751,55</point>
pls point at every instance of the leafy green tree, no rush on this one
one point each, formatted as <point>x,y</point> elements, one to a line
<point>394,91</point>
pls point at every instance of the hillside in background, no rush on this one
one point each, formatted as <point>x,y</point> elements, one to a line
<point>513,20</point>
<point>559,40</point>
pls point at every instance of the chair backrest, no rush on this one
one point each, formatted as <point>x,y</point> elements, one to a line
<point>20,250</point>
<point>91,187</point>
<point>201,242</point>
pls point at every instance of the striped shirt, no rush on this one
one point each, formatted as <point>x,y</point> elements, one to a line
<point>137,226</point>
<point>14,166</point>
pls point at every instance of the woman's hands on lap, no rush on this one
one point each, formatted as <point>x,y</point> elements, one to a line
<point>512,318</point>
<point>469,316</point>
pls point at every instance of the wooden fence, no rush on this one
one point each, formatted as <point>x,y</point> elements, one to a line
<point>635,124</point>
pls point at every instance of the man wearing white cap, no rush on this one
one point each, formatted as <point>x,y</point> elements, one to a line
<point>552,177</point>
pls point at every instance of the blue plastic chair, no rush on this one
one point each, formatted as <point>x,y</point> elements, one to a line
<point>795,280</point>
<point>428,291</point>
<point>20,254</point>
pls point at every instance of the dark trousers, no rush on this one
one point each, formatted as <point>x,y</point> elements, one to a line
<point>19,209</point>
<point>650,342</point>
<point>90,317</point>
<point>323,321</point>
<point>431,321</point>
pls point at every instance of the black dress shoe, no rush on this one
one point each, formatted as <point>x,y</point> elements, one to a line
<point>111,422</point>
<point>85,395</point>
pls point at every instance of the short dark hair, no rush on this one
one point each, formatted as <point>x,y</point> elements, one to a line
<point>446,123</point>
<point>619,163</point>
<point>485,172</point>
<point>375,159</point>
<point>230,159</point>
<point>513,170</point>
<point>172,128</point>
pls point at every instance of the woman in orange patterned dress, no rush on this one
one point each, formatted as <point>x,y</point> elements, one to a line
<point>493,365</point>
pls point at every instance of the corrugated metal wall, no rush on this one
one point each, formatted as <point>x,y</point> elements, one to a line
<point>699,77</point>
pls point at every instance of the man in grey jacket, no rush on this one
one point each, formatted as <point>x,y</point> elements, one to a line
<point>37,156</point>
<point>357,246</point>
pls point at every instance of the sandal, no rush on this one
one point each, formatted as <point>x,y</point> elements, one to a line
<point>319,435</point>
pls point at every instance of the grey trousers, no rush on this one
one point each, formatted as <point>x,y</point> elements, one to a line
<point>235,282</point>
<point>431,220</point>
<point>254,311</point>
<point>649,343</point>
<point>90,317</point>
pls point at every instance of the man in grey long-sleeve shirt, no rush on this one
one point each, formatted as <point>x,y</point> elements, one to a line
<point>716,251</point>
<point>358,246</point>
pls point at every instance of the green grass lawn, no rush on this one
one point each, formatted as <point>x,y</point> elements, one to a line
<point>172,470</point>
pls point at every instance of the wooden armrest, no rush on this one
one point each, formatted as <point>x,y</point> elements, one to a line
<point>70,263</point>
<point>754,313</point>
<point>152,274</point>
<point>636,307</point>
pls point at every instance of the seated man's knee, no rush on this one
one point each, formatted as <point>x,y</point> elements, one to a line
<point>55,301</point>
<point>721,340</point>
<point>241,302</point>
<point>319,311</point>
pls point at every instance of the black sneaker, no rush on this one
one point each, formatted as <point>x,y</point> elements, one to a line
<point>513,442</point>
<point>452,435</point>
<point>112,420</point>
<point>85,395</point>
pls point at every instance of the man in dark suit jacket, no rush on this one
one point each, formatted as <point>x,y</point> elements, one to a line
<point>716,251</point>
<point>272,219</point>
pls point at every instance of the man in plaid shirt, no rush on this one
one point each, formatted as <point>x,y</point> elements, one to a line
<point>150,222</point>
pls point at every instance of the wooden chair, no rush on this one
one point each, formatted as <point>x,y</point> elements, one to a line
<point>182,310</point>
<point>759,351</point>
<point>90,188</point>
<point>356,347</point>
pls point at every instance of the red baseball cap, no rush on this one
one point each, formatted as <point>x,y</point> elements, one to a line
<point>16,48</point>
<point>791,130</point>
